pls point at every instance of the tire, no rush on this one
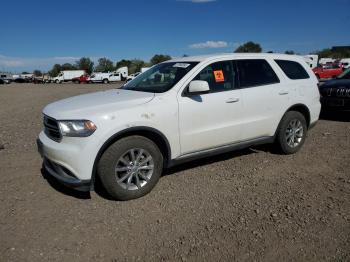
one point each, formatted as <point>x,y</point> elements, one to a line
<point>57,81</point>
<point>119,156</point>
<point>288,139</point>
<point>105,81</point>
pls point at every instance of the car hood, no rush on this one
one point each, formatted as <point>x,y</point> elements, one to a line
<point>336,83</point>
<point>99,103</point>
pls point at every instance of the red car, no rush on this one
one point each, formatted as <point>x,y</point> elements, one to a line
<point>81,79</point>
<point>328,71</point>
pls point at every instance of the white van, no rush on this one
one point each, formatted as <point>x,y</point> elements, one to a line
<point>67,75</point>
<point>177,111</point>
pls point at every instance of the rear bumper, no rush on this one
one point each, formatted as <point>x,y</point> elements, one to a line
<point>62,174</point>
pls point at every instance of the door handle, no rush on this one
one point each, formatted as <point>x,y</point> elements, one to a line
<point>282,93</point>
<point>232,100</point>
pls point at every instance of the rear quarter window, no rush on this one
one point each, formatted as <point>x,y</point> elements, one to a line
<point>292,69</point>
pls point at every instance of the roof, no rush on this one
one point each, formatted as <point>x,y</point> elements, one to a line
<point>232,56</point>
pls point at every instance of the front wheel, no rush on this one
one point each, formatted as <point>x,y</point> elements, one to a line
<point>291,132</point>
<point>105,81</point>
<point>130,168</point>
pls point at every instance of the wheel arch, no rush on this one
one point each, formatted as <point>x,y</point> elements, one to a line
<point>304,110</point>
<point>151,133</point>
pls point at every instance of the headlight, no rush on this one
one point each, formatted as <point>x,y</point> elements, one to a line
<point>77,128</point>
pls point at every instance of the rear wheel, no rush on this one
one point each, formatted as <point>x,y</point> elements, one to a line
<point>291,132</point>
<point>130,168</point>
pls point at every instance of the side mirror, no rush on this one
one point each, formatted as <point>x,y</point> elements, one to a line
<point>198,87</point>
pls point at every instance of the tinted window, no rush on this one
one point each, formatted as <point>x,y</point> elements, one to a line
<point>219,76</point>
<point>255,72</point>
<point>292,69</point>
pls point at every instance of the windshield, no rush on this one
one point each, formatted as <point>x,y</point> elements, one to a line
<point>160,78</point>
<point>345,74</point>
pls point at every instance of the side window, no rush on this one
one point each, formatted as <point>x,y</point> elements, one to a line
<point>219,76</point>
<point>255,72</point>
<point>293,69</point>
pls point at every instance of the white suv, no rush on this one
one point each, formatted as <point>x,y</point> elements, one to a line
<point>176,111</point>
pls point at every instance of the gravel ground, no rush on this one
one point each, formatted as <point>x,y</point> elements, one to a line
<point>250,205</point>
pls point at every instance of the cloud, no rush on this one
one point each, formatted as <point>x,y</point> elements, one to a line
<point>209,44</point>
<point>197,1</point>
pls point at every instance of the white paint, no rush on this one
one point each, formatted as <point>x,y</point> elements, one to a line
<point>189,123</point>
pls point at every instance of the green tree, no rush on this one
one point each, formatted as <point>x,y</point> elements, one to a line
<point>136,65</point>
<point>37,73</point>
<point>68,66</point>
<point>86,64</point>
<point>123,63</point>
<point>55,70</point>
<point>104,65</point>
<point>159,58</point>
<point>333,53</point>
<point>249,47</point>
<point>289,52</point>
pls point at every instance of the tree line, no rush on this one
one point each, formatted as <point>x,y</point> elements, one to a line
<point>106,65</point>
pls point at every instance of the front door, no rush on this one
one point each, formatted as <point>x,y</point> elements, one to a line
<point>213,119</point>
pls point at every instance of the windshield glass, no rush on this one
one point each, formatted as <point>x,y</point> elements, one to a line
<point>160,78</point>
<point>345,74</point>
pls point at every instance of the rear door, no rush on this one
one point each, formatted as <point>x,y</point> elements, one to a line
<point>263,98</point>
<point>213,119</point>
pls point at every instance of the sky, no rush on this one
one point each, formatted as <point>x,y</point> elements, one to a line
<point>37,34</point>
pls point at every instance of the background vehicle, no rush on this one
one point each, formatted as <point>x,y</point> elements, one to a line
<point>328,71</point>
<point>144,69</point>
<point>81,79</point>
<point>336,93</point>
<point>345,62</point>
<point>177,111</point>
<point>124,73</point>
<point>326,60</point>
<point>311,60</point>
<point>37,80</point>
<point>67,75</point>
<point>6,77</point>
<point>132,76</point>
<point>104,77</point>
<point>47,78</point>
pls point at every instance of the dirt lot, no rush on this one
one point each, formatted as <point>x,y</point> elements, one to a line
<point>251,205</point>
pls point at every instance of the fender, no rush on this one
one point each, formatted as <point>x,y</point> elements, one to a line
<point>124,133</point>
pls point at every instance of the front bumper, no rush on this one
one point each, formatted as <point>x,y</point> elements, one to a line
<point>335,104</point>
<point>61,173</point>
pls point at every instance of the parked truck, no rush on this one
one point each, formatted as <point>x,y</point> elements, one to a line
<point>105,77</point>
<point>124,73</point>
<point>311,60</point>
<point>68,75</point>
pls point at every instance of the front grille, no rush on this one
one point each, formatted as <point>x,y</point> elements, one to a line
<point>52,129</point>
<point>341,92</point>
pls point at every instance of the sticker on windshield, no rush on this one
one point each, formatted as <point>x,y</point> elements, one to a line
<point>219,76</point>
<point>181,65</point>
